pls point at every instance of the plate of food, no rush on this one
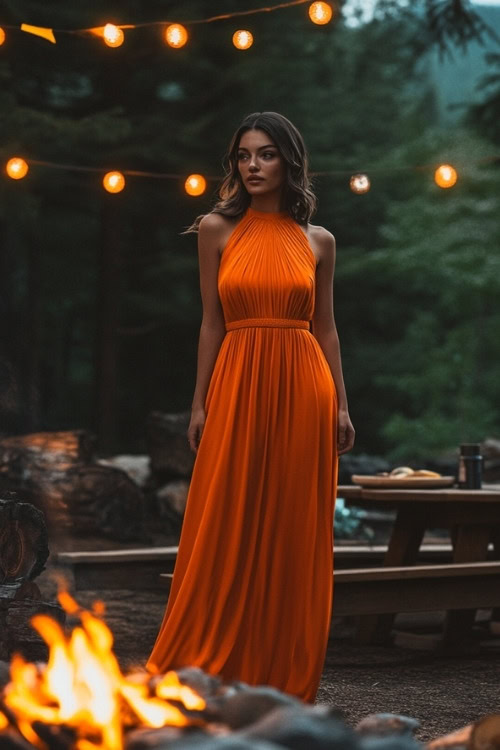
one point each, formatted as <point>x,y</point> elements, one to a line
<point>405,478</point>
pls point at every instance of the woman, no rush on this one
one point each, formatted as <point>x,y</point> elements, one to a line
<point>252,588</point>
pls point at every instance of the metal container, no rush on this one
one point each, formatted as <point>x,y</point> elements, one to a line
<point>470,467</point>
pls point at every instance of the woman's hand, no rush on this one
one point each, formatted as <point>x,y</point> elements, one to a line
<point>345,432</point>
<point>195,429</point>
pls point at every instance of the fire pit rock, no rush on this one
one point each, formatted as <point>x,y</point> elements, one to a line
<point>298,727</point>
<point>209,742</point>
<point>382,725</point>
<point>246,706</point>
<point>160,739</point>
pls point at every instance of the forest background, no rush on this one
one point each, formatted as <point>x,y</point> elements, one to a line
<point>100,306</point>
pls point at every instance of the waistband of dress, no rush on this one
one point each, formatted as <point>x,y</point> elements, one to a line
<point>267,323</point>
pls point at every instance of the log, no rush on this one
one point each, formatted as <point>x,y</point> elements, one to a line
<point>23,546</point>
<point>53,471</point>
<point>95,499</point>
<point>458,739</point>
<point>24,458</point>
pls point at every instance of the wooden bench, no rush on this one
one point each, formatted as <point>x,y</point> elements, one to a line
<point>420,588</point>
<point>140,568</point>
<point>118,569</point>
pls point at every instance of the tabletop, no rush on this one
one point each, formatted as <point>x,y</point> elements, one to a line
<point>488,494</point>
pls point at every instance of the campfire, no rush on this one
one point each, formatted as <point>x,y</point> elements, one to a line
<point>81,693</point>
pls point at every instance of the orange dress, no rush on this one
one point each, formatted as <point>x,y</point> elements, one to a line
<point>252,589</point>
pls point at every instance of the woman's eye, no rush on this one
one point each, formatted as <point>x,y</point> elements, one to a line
<point>269,154</point>
<point>241,156</point>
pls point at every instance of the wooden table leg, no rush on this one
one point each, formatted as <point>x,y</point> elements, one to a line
<point>470,544</point>
<point>404,544</point>
<point>495,538</point>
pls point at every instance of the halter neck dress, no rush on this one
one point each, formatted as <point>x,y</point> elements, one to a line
<point>252,588</point>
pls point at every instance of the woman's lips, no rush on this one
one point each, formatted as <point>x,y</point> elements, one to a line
<point>255,179</point>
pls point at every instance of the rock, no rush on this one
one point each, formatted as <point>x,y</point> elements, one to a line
<point>385,724</point>
<point>248,706</point>
<point>152,739</point>
<point>197,679</point>
<point>168,446</point>
<point>138,468</point>
<point>172,497</point>
<point>390,742</point>
<point>311,727</point>
<point>208,742</point>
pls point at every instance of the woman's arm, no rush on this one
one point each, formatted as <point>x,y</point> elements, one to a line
<point>212,330</point>
<point>325,331</point>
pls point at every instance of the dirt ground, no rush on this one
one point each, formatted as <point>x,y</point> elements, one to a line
<point>442,692</point>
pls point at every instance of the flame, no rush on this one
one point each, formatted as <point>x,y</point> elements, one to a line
<point>170,687</point>
<point>83,687</point>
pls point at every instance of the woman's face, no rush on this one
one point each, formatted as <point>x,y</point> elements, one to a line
<point>260,164</point>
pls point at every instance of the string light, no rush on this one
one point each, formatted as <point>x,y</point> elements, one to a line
<point>359,183</point>
<point>195,184</point>
<point>176,35</point>
<point>242,39</point>
<point>445,176</point>
<point>320,13</point>
<point>16,168</point>
<point>2,36</point>
<point>113,182</point>
<point>113,35</point>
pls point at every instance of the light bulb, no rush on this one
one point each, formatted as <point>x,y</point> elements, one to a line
<point>113,182</point>
<point>359,183</point>
<point>176,35</point>
<point>320,13</point>
<point>113,35</point>
<point>17,168</point>
<point>445,176</point>
<point>195,184</point>
<point>242,39</point>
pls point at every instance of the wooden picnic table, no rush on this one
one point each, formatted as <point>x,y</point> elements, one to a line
<point>472,518</point>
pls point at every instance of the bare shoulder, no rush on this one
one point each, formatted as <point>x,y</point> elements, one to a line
<point>322,241</point>
<point>216,228</point>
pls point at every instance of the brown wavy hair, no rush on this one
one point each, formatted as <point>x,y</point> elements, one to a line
<point>298,198</point>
